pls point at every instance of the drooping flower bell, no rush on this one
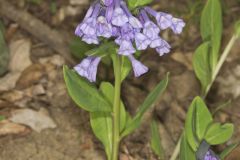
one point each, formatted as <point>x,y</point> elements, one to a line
<point>111,19</point>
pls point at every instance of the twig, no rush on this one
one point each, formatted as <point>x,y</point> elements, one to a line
<point>37,28</point>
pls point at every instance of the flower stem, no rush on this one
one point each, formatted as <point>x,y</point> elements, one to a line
<point>221,61</point>
<point>176,150</point>
<point>116,109</point>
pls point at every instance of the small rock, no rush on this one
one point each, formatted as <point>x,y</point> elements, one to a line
<point>37,120</point>
<point>9,128</point>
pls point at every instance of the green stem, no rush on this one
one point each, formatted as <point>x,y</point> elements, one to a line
<point>116,110</point>
<point>176,150</point>
<point>221,61</point>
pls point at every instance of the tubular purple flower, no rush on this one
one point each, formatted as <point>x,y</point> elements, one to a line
<point>90,39</point>
<point>88,26</point>
<point>127,32</point>
<point>78,31</point>
<point>119,17</point>
<point>164,20</point>
<point>109,13</point>
<point>138,68</point>
<point>177,25</point>
<point>107,2</point>
<point>126,47</point>
<point>141,41</point>
<point>210,156</point>
<point>132,20</point>
<point>104,29</point>
<point>164,48</point>
<point>88,68</point>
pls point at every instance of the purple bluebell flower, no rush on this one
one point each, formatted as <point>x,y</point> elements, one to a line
<point>210,156</point>
<point>90,39</point>
<point>138,68</point>
<point>88,68</point>
<point>107,2</point>
<point>119,17</point>
<point>142,41</point>
<point>104,29</point>
<point>177,25</point>
<point>113,19</point>
<point>163,48</point>
<point>126,47</point>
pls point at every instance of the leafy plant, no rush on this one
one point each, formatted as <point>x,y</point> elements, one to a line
<point>199,126</point>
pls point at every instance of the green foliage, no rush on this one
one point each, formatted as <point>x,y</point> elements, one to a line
<point>148,102</point>
<point>186,152</point>
<point>4,52</point>
<point>2,118</point>
<point>207,54</point>
<point>101,122</point>
<point>237,28</point>
<point>218,134</point>
<point>156,141</point>
<point>85,94</point>
<point>125,67</point>
<point>199,126</point>
<point>201,64</point>
<point>132,4</point>
<point>103,50</point>
<point>211,29</point>
<point>79,48</point>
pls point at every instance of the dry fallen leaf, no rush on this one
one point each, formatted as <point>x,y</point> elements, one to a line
<point>19,61</point>
<point>7,128</point>
<point>37,120</point>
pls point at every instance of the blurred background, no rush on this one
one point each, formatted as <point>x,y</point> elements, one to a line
<point>40,122</point>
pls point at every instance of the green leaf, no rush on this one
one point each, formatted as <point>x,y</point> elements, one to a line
<point>211,28</point>
<point>190,127</point>
<point>79,48</point>
<point>148,102</point>
<point>218,134</point>
<point>186,152</point>
<point>156,141</point>
<point>84,94</point>
<point>102,50</point>
<point>108,90</point>
<point>201,65</point>
<point>126,67</point>
<point>2,118</point>
<point>132,4</point>
<point>228,150</point>
<point>237,28</point>
<point>203,118</point>
<point>4,54</point>
<point>101,123</point>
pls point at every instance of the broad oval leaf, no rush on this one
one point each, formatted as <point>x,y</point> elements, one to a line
<point>190,127</point>
<point>101,123</point>
<point>201,65</point>
<point>211,28</point>
<point>148,102</point>
<point>186,152</point>
<point>156,141</point>
<point>203,118</point>
<point>84,94</point>
<point>218,134</point>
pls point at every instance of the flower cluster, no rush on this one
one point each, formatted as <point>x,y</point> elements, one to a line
<point>112,19</point>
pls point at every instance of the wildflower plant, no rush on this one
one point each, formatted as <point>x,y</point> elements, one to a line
<point>119,29</point>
